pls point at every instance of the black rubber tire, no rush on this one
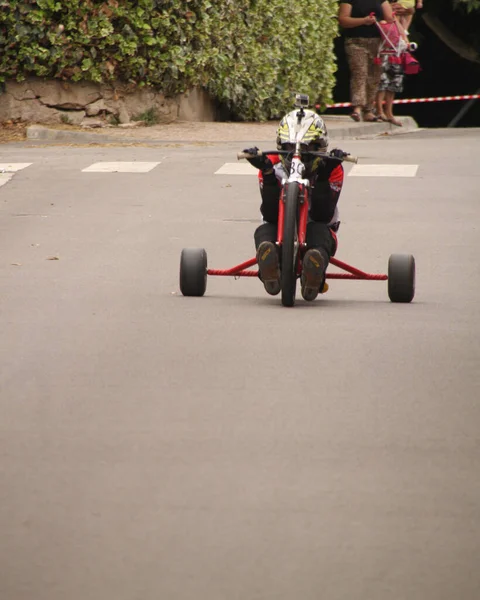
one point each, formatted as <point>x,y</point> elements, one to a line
<point>193,271</point>
<point>401,277</point>
<point>289,247</point>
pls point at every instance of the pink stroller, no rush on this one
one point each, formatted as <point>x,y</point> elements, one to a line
<point>394,44</point>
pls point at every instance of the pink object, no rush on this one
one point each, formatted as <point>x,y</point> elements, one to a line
<point>396,47</point>
<point>411,66</point>
<point>391,35</point>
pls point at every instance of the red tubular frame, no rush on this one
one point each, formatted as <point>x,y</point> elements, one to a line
<point>281,212</point>
<point>237,271</point>
<point>352,272</point>
<point>303,217</point>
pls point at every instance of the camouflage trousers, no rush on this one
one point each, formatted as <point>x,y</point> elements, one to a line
<point>364,73</point>
<point>391,79</point>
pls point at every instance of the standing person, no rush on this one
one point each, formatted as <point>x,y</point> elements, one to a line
<point>391,83</point>
<point>358,18</point>
<point>391,78</point>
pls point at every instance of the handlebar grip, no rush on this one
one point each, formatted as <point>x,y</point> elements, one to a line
<point>241,155</point>
<point>352,159</point>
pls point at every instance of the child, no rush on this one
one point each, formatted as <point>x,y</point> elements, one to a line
<point>391,80</point>
<point>405,9</point>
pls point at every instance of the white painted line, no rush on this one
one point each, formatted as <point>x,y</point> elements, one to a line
<point>383,171</point>
<point>5,177</point>
<point>13,167</point>
<point>240,168</point>
<point>121,167</point>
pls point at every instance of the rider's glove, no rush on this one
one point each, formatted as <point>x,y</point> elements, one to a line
<point>261,161</point>
<point>337,153</point>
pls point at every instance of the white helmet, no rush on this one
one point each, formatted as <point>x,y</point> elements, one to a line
<point>311,132</point>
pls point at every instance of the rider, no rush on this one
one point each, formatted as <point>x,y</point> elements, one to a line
<point>326,179</point>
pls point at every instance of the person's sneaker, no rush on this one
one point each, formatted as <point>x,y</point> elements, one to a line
<point>269,267</point>
<point>312,274</point>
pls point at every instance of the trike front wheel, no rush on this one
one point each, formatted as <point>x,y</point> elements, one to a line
<point>289,245</point>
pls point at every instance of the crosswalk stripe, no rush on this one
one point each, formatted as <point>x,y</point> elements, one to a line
<point>13,167</point>
<point>383,171</point>
<point>121,167</point>
<point>8,170</point>
<point>236,169</point>
<point>5,177</point>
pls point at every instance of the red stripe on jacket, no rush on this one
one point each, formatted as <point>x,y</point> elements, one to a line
<point>336,176</point>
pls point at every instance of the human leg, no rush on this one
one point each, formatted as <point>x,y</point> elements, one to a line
<point>321,245</point>
<point>321,237</point>
<point>372,77</point>
<point>395,86</point>
<point>266,232</point>
<point>268,257</point>
<point>356,59</point>
<point>389,97</point>
<point>379,102</point>
<point>391,83</point>
<point>405,22</point>
<point>270,193</point>
<point>382,89</point>
<point>321,240</point>
<point>265,237</point>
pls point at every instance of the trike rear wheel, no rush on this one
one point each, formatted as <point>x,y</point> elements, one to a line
<point>401,277</point>
<point>193,271</point>
<point>290,245</point>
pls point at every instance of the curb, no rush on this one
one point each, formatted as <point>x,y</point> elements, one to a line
<point>369,130</point>
<point>42,133</point>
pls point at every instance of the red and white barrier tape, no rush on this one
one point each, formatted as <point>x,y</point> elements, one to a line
<point>439,99</point>
<point>412,100</point>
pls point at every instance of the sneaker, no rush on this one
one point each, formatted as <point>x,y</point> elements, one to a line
<point>312,274</point>
<point>269,267</point>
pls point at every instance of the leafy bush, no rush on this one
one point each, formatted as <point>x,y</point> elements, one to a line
<point>149,117</point>
<point>248,54</point>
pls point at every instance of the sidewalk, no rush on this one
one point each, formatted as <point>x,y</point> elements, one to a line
<point>340,127</point>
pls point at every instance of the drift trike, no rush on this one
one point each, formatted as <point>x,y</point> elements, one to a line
<point>291,241</point>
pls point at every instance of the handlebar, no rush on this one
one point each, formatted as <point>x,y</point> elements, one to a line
<point>346,158</point>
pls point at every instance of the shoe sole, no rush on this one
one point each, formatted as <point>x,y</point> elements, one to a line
<point>312,274</point>
<point>269,267</point>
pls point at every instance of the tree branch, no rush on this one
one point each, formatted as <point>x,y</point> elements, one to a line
<point>450,39</point>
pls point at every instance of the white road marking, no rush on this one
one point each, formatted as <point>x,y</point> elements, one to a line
<point>121,167</point>
<point>5,177</point>
<point>8,170</point>
<point>383,171</point>
<point>240,168</point>
<point>13,167</point>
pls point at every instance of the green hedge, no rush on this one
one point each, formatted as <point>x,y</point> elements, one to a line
<point>249,54</point>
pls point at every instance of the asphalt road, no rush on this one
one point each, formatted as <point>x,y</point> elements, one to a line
<point>160,447</point>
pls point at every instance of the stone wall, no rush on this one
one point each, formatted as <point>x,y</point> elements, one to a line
<point>95,105</point>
